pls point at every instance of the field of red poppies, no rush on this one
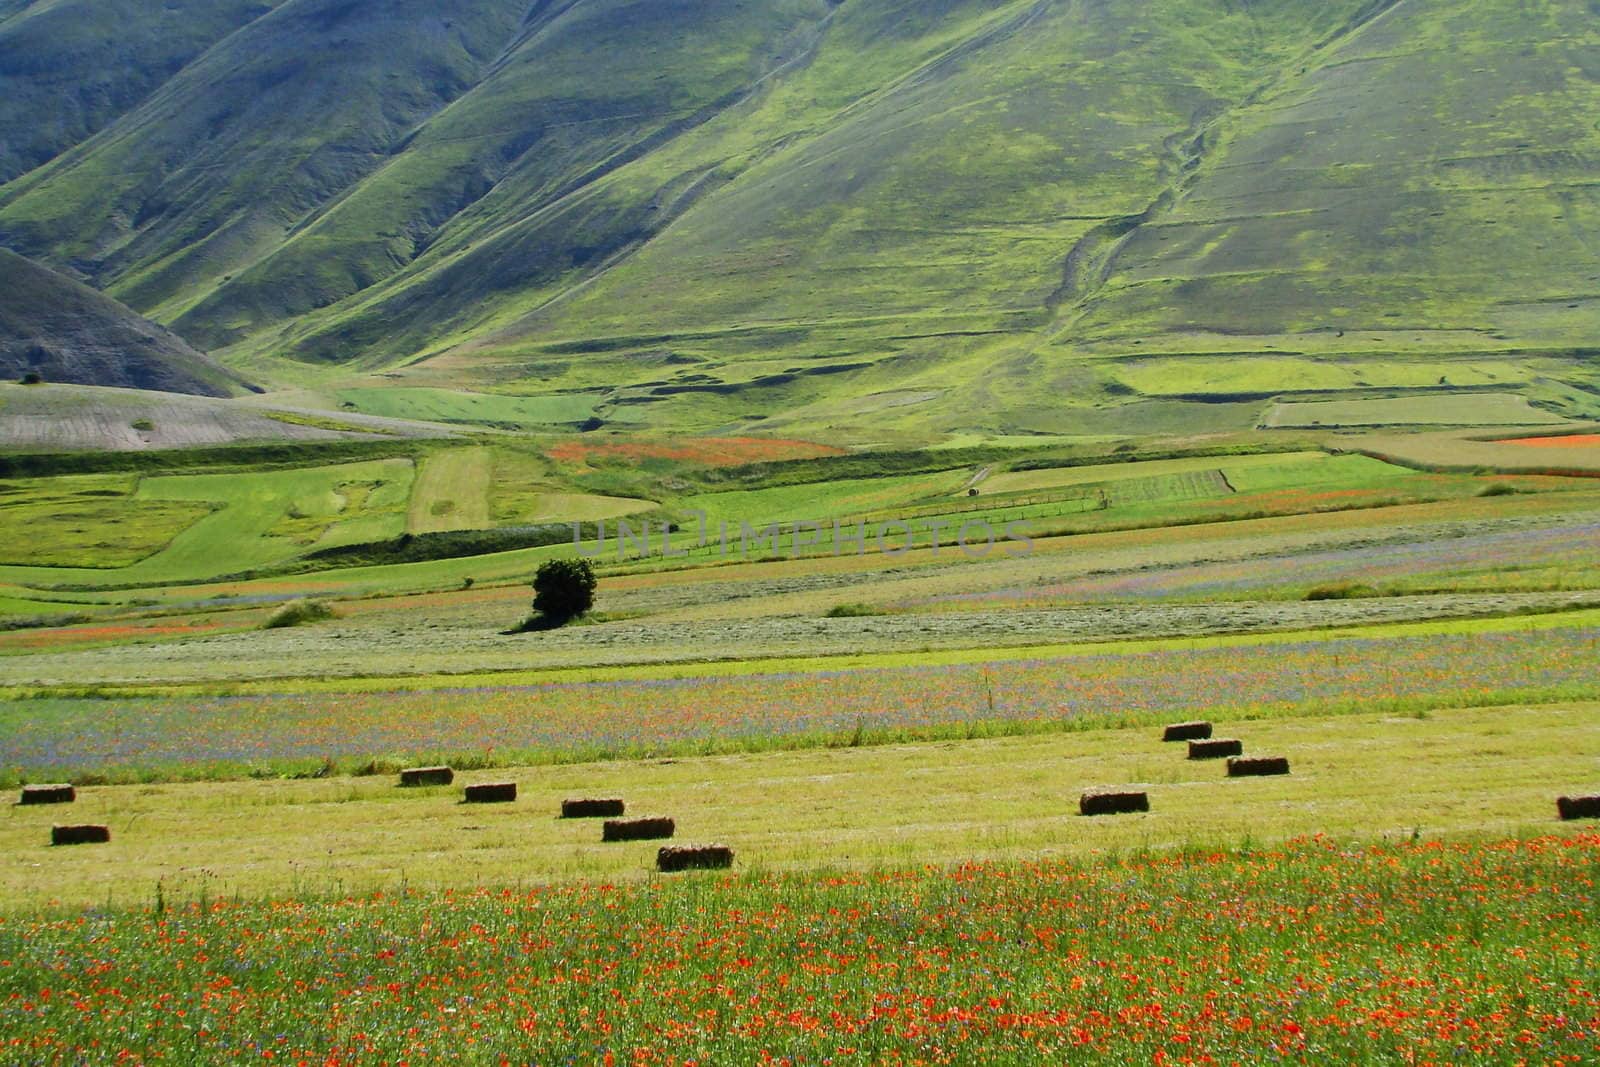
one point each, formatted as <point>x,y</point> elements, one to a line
<point>1305,953</point>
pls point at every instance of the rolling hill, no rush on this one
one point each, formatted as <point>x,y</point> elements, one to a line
<point>882,216</point>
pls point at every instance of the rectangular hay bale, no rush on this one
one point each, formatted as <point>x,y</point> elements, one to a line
<point>80,835</point>
<point>1107,802</point>
<point>1187,731</point>
<point>694,857</point>
<point>1585,807</point>
<point>48,794</point>
<point>420,776</point>
<point>1216,748</point>
<point>637,829</point>
<point>491,793</point>
<point>591,808</point>
<point>1257,766</point>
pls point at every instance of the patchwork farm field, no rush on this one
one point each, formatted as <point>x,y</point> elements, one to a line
<point>891,735</point>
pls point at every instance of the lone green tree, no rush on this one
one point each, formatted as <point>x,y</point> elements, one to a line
<point>563,590</point>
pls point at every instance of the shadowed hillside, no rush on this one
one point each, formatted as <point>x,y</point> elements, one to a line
<point>66,332</point>
<point>1031,215</point>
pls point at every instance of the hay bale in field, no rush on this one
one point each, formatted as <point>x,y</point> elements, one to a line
<point>694,857</point>
<point>80,835</point>
<point>1257,766</point>
<point>1107,802</point>
<point>48,794</point>
<point>491,793</point>
<point>420,776</point>
<point>1579,807</point>
<point>637,829</point>
<point>1216,748</point>
<point>1187,731</point>
<point>592,809</point>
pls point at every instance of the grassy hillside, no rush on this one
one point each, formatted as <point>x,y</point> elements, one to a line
<point>218,166</point>
<point>71,67</point>
<point>897,219</point>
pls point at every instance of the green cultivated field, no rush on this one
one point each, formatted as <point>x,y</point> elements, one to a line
<point>1479,409</point>
<point>254,519</point>
<point>87,521</point>
<point>441,405</point>
<point>452,492</point>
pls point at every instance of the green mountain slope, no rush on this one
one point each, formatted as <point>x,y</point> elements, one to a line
<point>70,67</point>
<point>1057,215</point>
<point>66,332</point>
<point>218,167</point>
<point>1436,169</point>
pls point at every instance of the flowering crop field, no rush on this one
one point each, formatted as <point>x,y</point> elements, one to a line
<point>195,737</point>
<point>1309,953</point>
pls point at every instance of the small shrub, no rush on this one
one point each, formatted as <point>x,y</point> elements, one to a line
<point>853,611</point>
<point>33,377</point>
<point>143,425</point>
<point>1342,591</point>
<point>298,613</point>
<point>1498,489</point>
<point>563,590</point>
